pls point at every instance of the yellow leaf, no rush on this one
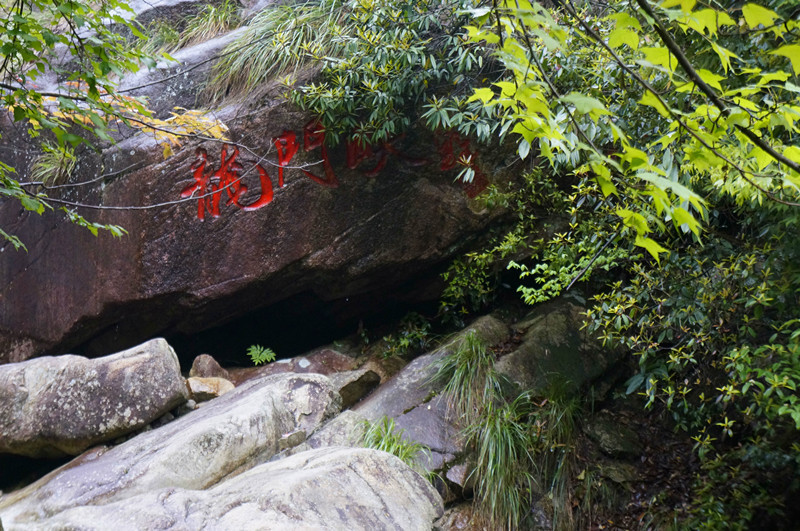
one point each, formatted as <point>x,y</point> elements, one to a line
<point>651,246</point>
<point>763,159</point>
<point>483,94</point>
<point>622,36</point>
<point>724,55</point>
<point>710,78</point>
<point>792,153</point>
<point>792,51</point>
<point>707,21</point>
<point>660,56</point>
<point>756,15</point>
<point>625,21</point>
<point>650,100</point>
<point>686,5</point>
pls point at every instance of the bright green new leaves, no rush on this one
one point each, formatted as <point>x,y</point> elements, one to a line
<point>626,31</point>
<point>585,105</point>
<point>756,15</point>
<point>792,51</point>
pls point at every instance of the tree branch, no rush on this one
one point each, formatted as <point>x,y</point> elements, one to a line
<point>597,38</point>
<point>676,50</point>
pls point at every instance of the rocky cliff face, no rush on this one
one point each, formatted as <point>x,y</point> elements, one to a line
<point>260,233</point>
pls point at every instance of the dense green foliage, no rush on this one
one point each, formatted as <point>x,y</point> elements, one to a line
<point>663,149</point>
<point>411,337</point>
<point>84,104</point>
<point>659,147</point>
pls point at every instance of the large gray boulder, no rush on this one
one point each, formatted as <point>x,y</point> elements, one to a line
<point>233,433</point>
<point>556,349</point>
<point>55,406</point>
<point>326,489</point>
<point>351,247</point>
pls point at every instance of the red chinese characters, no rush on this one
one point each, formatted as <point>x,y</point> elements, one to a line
<point>286,144</point>
<point>209,186</point>
<point>227,178</point>
<point>358,152</point>
<point>313,138</point>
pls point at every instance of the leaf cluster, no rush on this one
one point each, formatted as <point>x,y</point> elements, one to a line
<point>259,354</point>
<point>385,62</point>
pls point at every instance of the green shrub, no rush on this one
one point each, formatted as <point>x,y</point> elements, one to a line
<point>411,337</point>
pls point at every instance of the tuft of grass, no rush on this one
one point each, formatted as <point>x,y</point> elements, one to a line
<point>502,442</point>
<point>383,435</point>
<point>522,446</point>
<point>278,41</point>
<point>162,37</point>
<point>468,378</point>
<point>54,166</point>
<point>259,354</point>
<point>211,21</point>
<point>555,425</point>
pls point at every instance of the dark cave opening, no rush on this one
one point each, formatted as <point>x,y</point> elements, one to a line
<point>294,326</point>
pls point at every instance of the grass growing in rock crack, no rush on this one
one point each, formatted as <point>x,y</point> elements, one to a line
<point>211,21</point>
<point>554,422</point>
<point>278,40</point>
<point>468,378</point>
<point>522,444</point>
<point>54,166</point>
<point>162,37</point>
<point>385,436</point>
<point>501,439</point>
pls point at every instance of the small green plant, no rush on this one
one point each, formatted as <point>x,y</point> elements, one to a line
<point>161,37</point>
<point>411,337</point>
<point>260,354</point>
<point>211,21</point>
<point>383,435</point>
<point>54,166</point>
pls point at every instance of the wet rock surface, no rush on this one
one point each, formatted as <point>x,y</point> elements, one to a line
<point>555,349</point>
